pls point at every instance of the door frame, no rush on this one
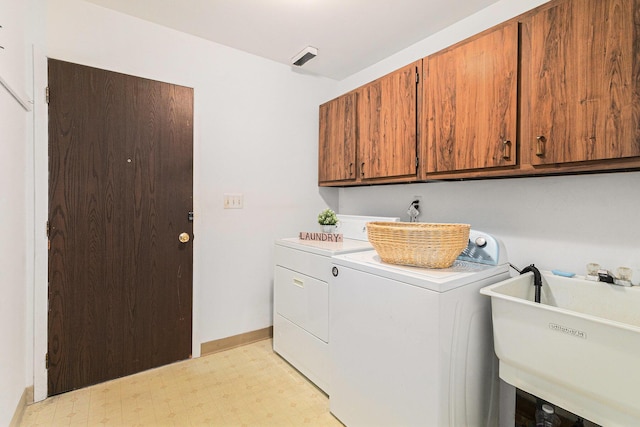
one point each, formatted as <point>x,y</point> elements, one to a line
<point>38,185</point>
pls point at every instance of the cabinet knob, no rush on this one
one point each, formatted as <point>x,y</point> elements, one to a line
<point>506,150</point>
<point>540,140</point>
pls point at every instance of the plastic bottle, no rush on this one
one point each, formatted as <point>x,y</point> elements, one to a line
<point>546,417</point>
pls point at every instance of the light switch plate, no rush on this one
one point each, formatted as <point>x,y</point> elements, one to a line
<point>233,201</point>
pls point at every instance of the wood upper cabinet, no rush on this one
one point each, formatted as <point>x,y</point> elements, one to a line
<point>584,81</point>
<point>554,90</point>
<point>369,135</point>
<point>338,139</point>
<point>387,145</point>
<point>469,118</point>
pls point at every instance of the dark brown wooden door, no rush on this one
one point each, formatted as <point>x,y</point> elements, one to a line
<point>120,192</point>
<point>470,103</point>
<point>585,82</point>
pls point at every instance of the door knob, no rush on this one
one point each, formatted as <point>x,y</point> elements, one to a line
<point>183,237</point>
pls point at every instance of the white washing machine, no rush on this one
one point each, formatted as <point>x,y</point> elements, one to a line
<point>301,296</point>
<point>413,346</point>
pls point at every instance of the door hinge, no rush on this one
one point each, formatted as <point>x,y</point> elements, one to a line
<point>46,94</point>
<point>417,161</point>
<point>46,361</point>
<point>48,228</point>
<point>48,239</point>
<point>417,77</point>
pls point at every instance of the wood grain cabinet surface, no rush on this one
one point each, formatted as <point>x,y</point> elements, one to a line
<point>338,138</point>
<point>387,118</point>
<point>470,103</point>
<point>369,135</point>
<point>584,82</point>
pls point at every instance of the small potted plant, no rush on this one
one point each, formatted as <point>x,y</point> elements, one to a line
<point>328,220</point>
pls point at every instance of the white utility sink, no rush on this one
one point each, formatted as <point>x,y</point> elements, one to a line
<point>579,348</point>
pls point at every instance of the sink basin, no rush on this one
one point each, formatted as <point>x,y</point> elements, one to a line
<point>579,348</point>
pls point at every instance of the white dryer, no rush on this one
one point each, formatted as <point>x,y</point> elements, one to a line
<point>301,296</point>
<point>413,346</point>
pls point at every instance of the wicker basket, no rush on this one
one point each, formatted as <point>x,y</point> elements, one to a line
<point>418,244</point>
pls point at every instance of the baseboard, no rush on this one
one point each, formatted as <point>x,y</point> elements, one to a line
<point>25,399</point>
<point>228,343</point>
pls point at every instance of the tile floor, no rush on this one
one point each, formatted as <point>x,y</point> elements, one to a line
<point>245,386</point>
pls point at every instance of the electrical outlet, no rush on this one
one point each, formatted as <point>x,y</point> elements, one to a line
<point>233,201</point>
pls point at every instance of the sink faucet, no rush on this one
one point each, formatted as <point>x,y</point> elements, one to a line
<point>537,279</point>
<point>413,211</point>
<point>623,279</point>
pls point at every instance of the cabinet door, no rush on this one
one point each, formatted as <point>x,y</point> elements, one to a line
<point>338,137</point>
<point>387,117</point>
<point>585,82</point>
<point>470,103</point>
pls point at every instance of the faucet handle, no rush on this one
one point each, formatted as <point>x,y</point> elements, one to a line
<point>624,273</point>
<point>605,276</point>
<point>623,276</point>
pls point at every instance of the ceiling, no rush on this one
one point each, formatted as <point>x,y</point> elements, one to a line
<point>350,35</point>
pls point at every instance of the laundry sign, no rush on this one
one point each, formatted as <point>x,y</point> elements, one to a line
<point>320,237</point>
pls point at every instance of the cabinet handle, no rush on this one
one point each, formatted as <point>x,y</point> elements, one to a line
<point>506,150</point>
<point>362,169</point>
<point>540,140</point>
<point>351,169</point>
<point>298,282</point>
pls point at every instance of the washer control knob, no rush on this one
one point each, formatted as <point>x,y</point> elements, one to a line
<point>481,242</point>
<point>334,271</point>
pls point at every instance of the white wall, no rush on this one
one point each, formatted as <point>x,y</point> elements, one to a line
<point>13,210</point>
<point>559,222</point>
<point>13,273</point>
<point>554,222</point>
